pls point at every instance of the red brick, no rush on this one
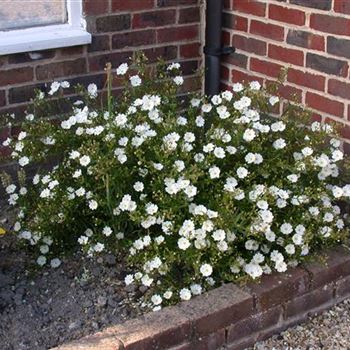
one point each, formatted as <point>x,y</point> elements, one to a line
<point>342,6</point>
<point>265,67</point>
<point>339,88</point>
<point>239,76</point>
<point>317,4</point>
<point>236,59</point>
<point>309,80</point>
<point>217,309</point>
<point>154,19</point>
<point>113,23</point>
<point>267,30</point>
<point>343,287</point>
<point>167,53</point>
<point>334,265</point>
<point>191,84</point>
<point>165,3</point>
<point>327,65</point>
<point>253,324</point>
<point>61,69</point>
<point>306,39</point>
<point>189,15</point>
<point>275,289</point>
<point>16,75</point>
<point>324,104</point>
<point>213,341</point>
<point>134,38</point>
<point>178,34</point>
<point>225,73</point>
<point>98,63</point>
<point>290,93</point>
<point>190,50</point>
<point>123,5</point>
<point>93,7</point>
<point>252,7</point>
<point>235,22</point>
<point>249,44</point>
<point>285,14</point>
<point>2,98</point>
<point>306,303</point>
<point>330,24</point>
<point>286,55</point>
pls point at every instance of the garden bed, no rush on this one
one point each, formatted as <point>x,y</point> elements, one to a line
<point>43,309</point>
<point>232,316</point>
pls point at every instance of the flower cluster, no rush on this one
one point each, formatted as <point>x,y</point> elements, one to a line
<point>193,196</point>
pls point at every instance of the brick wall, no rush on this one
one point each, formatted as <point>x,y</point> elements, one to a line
<point>167,28</point>
<point>312,37</point>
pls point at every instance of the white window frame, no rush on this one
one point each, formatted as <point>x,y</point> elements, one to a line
<point>71,33</point>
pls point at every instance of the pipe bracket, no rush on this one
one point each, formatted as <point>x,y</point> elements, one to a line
<point>218,51</point>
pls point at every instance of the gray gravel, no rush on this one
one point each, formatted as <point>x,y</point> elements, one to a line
<point>327,331</point>
<point>42,310</point>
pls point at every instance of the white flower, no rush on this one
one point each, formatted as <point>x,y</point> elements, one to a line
<point>255,85</point>
<point>55,263</point>
<point>242,172</point>
<point>139,186</point>
<point>107,231</point>
<point>279,144</point>
<point>219,235</point>
<point>135,80</point>
<point>227,95</point>
<point>206,270</point>
<point>146,280</point>
<point>83,240</point>
<point>168,294</point>
<point>214,172</point>
<point>307,151</point>
<point>249,135</point>
<point>23,161</point>
<point>273,100</point>
<point>200,121</point>
<point>127,204</point>
<point>196,289</point>
<point>151,208</point>
<point>85,160</point>
<point>93,204</point>
<point>185,294</point>
<point>45,193</point>
<point>44,249</point>
<point>41,261</point>
<point>156,299</point>
<point>337,191</point>
<point>173,66</point>
<point>237,87</point>
<point>290,249</point>
<point>65,84</point>
<point>231,184</point>
<point>99,247</point>
<point>10,188</point>
<point>293,178</point>
<point>206,108</point>
<point>92,90</point>
<point>219,152</point>
<point>54,87</point>
<point>122,69</point>
<point>128,279</point>
<point>253,270</point>
<point>178,80</point>
<point>286,228</point>
<point>183,243</point>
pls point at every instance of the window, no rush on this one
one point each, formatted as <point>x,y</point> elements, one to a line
<point>31,25</point>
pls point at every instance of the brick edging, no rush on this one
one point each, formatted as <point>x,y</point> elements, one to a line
<point>232,316</point>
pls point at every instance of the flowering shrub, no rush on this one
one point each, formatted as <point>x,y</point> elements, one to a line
<point>192,196</point>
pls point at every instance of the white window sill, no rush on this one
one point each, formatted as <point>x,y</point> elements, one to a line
<point>41,38</point>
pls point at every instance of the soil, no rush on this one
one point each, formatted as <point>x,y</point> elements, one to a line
<point>40,310</point>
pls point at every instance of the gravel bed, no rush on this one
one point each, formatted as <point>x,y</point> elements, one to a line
<point>328,331</point>
<point>45,309</point>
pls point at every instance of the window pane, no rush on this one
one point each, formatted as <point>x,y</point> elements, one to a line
<point>19,14</point>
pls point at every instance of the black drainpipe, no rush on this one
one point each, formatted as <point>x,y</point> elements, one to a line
<point>213,49</point>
